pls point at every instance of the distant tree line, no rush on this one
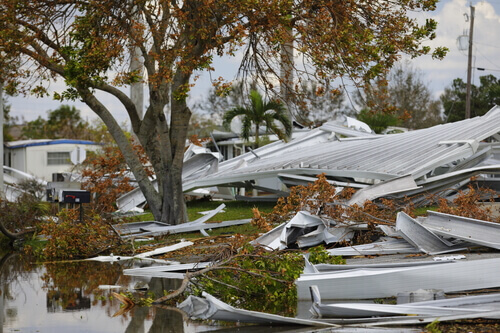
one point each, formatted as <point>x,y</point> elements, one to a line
<point>64,122</point>
<point>401,98</point>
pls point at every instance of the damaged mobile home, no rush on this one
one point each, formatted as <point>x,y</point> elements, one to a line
<point>438,159</point>
<point>432,159</point>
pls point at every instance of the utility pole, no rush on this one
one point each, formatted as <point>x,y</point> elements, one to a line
<point>137,88</point>
<point>286,72</point>
<point>469,65</point>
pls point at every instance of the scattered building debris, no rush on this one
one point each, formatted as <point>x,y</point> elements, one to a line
<point>305,230</point>
<point>389,187</point>
<point>360,310</point>
<point>109,287</point>
<point>435,158</point>
<point>164,249</point>
<point>154,228</point>
<point>385,245</point>
<point>470,230</point>
<point>367,283</point>
<point>424,239</point>
<point>157,271</point>
<point>210,307</point>
<point>437,233</point>
<point>310,268</point>
<point>440,160</point>
<point>175,229</point>
<point>366,315</point>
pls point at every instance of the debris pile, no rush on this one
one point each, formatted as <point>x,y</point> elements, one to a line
<point>438,160</point>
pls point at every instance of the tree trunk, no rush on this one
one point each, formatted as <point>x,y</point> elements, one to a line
<point>257,125</point>
<point>173,203</point>
<point>152,196</point>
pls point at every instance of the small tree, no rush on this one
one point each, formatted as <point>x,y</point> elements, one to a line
<point>404,95</point>
<point>106,176</point>
<point>260,113</point>
<point>378,121</point>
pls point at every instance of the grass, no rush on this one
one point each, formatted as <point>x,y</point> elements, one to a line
<point>243,229</point>
<point>423,210</point>
<point>235,210</point>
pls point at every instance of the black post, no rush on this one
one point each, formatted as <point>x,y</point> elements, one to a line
<point>81,213</point>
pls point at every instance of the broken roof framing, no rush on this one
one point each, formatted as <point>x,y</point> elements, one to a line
<point>364,158</point>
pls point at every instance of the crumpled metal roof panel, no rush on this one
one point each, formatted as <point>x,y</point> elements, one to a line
<point>415,152</point>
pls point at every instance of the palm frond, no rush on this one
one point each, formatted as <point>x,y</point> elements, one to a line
<point>283,118</point>
<point>246,126</point>
<point>257,103</point>
<point>231,114</point>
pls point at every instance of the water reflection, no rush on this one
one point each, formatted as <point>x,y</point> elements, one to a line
<point>68,297</point>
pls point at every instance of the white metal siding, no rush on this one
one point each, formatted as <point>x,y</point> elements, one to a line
<point>18,159</point>
<point>37,159</point>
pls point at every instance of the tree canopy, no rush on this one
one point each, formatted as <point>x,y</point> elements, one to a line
<point>87,44</point>
<point>483,98</point>
<point>63,122</point>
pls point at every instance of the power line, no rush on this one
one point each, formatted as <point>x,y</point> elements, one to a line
<point>489,45</point>
<point>488,60</point>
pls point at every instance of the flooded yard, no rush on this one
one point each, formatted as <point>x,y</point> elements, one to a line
<point>76,297</point>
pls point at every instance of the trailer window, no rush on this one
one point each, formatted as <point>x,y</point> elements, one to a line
<point>58,158</point>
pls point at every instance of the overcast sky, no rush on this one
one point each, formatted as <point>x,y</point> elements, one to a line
<point>439,74</point>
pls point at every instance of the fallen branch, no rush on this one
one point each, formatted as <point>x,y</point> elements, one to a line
<point>249,273</point>
<point>184,284</point>
<point>220,266</point>
<point>124,299</point>
<point>226,284</point>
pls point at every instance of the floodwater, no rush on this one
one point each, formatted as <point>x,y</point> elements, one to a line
<point>76,297</point>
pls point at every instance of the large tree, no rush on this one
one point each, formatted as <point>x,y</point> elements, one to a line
<point>483,98</point>
<point>87,45</point>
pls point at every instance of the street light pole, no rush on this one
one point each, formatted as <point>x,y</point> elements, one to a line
<point>469,65</point>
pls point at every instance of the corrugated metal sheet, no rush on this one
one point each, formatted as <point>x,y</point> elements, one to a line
<point>471,230</point>
<point>388,282</point>
<point>422,238</point>
<point>383,157</point>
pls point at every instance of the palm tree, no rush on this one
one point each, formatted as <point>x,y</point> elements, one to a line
<point>261,113</point>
